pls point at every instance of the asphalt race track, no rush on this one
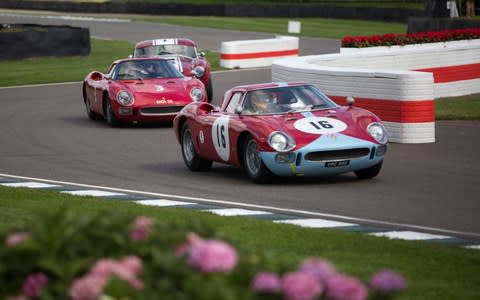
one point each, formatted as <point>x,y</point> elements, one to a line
<point>47,134</point>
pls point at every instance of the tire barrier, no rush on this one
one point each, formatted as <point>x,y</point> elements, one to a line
<point>19,41</point>
<point>399,85</point>
<point>257,53</point>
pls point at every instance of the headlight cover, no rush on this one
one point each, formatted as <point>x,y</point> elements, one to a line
<point>125,98</point>
<point>280,142</point>
<point>378,132</point>
<point>196,94</point>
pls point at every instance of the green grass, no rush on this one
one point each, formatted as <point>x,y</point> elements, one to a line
<point>434,271</point>
<point>458,108</point>
<point>66,69</point>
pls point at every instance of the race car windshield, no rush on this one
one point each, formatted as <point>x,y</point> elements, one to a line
<point>166,50</point>
<point>286,99</point>
<point>145,69</point>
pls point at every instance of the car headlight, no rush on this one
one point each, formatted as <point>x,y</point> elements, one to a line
<point>125,98</point>
<point>198,71</point>
<point>378,132</point>
<point>196,94</point>
<point>280,142</point>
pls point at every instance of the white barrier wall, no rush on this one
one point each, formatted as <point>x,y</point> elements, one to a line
<point>399,86</point>
<point>257,53</point>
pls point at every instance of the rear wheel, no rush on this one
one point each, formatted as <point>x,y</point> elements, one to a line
<point>369,173</point>
<point>190,156</point>
<point>110,117</point>
<point>90,113</point>
<point>253,164</point>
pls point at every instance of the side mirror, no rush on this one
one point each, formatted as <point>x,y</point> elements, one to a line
<point>202,54</point>
<point>238,110</point>
<point>350,100</point>
<point>130,56</point>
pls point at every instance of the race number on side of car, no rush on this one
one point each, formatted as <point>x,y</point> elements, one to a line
<point>320,125</point>
<point>220,137</point>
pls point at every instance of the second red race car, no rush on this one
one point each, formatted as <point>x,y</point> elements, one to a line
<point>282,129</point>
<point>186,51</point>
<point>139,90</point>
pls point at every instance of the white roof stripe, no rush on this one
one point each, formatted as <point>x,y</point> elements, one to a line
<point>29,184</point>
<point>409,235</point>
<point>315,223</point>
<point>162,202</point>
<point>236,212</point>
<point>98,193</point>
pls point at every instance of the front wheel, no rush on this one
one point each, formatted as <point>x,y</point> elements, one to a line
<point>110,117</point>
<point>369,173</point>
<point>209,89</point>
<point>190,156</point>
<point>253,164</point>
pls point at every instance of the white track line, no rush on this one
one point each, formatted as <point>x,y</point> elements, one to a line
<point>261,207</point>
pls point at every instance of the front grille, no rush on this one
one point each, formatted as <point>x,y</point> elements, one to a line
<point>336,154</point>
<point>160,110</point>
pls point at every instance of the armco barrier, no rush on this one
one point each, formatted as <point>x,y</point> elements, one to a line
<point>257,53</point>
<point>399,85</point>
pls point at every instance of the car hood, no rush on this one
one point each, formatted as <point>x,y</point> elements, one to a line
<point>159,91</point>
<point>305,127</point>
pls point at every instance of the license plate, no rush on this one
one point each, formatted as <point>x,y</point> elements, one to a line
<point>337,163</point>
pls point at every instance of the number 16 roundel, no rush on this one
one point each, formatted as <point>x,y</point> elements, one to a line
<point>220,138</point>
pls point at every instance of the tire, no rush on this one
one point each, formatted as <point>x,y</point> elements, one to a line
<point>190,156</point>
<point>90,113</point>
<point>253,164</point>
<point>369,173</point>
<point>110,117</point>
<point>209,89</point>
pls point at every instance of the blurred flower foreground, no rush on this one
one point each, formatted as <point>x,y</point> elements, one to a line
<point>106,256</point>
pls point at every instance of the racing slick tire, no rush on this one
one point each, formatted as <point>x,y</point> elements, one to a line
<point>90,113</point>
<point>190,156</point>
<point>369,173</point>
<point>253,164</point>
<point>108,113</point>
<point>209,89</point>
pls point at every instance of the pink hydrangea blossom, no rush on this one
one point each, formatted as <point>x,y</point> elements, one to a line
<point>33,285</point>
<point>321,269</point>
<point>387,281</point>
<point>88,287</point>
<point>267,282</point>
<point>16,238</point>
<point>141,228</point>
<point>301,286</point>
<point>212,256</point>
<point>344,287</point>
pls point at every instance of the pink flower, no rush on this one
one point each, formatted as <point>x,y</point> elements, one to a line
<point>88,287</point>
<point>387,281</point>
<point>16,238</point>
<point>132,263</point>
<point>344,287</point>
<point>266,282</point>
<point>126,269</point>
<point>141,228</point>
<point>321,269</point>
<point>301,286</point>
<point>33,285</point>
<point>212,256</point>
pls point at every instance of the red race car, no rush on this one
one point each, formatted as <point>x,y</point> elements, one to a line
<point>283,129</point>
<point>139,90</point>
<point>186,50</point>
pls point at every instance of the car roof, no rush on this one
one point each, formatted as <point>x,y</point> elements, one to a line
<point>267,85</point>
<point>170,41</point>
<point>140,58</point>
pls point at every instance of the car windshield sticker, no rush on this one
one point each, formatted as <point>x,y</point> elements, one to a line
<point>220,138</point>
<point>320,125</point>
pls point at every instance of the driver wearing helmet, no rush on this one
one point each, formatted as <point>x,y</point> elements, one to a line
<point>260,102</point>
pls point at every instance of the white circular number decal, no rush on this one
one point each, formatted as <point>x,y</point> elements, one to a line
<point>220,137</point>
<point>320,125</point>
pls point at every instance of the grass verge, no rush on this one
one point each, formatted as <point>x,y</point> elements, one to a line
<point>433,271</point>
